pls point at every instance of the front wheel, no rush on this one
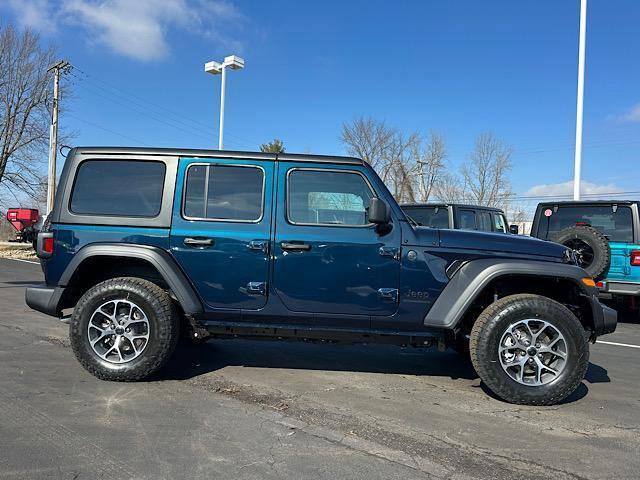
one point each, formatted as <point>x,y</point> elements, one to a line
<point>529,350</point>
<point>124,329</point>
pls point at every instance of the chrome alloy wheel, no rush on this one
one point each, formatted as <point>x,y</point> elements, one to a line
<point>533,352</point>
<point>118,331</point>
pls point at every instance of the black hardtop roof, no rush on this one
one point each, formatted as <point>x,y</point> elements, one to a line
<point>462,205</point>
<point>189,152</point>
<point>586,203</point>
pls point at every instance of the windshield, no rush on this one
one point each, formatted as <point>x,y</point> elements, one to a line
<point>616,226</point>
<point>434,217</point>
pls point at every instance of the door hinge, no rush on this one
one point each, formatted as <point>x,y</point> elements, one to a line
<point>390,252</point>
<point>257,288</point>
<point>390,294</point>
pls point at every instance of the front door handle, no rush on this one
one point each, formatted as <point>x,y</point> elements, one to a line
<point>295,245</point>
<point>199,242</point>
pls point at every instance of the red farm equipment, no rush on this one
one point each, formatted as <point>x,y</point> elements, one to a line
<point>23,220</point>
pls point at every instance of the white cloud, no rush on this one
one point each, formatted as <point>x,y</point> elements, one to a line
<point>134,28</point>
<point>631,115</point>
<point>34,14</point>
<point>566,188</point>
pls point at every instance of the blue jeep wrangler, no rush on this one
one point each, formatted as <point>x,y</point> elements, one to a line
<point>144,245</point>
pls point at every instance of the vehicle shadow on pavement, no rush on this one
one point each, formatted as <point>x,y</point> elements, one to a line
<point>193,360</point>
<point>595,374</point>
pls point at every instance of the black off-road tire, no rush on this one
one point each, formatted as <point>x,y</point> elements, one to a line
<point>163,321</point>
<point>486,336</point>
<point>596,241</point>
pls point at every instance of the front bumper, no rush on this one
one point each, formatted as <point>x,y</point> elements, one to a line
<point>44,299</point>
<point>605,319</point>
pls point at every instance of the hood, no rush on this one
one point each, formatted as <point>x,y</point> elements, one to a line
<point>499,242</point>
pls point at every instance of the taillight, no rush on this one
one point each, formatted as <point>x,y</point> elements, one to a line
<point>47,245</point>
<point>635,258</point>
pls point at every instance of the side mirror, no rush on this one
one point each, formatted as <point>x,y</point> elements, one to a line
<point>514,229</point>
<point>378,211</point>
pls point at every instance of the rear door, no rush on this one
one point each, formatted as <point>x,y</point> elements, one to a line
<point>221,229</point>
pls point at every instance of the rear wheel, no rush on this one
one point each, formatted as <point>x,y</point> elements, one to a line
<point>529,350</point>
<point>124,329</point>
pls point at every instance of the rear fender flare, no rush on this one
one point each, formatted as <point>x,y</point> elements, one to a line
<point>156,257</point>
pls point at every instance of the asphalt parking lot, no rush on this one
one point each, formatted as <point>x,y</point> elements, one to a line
<point>244,409</point>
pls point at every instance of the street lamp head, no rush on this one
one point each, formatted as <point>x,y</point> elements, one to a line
<point>213,67</point>
<point>234,62</point>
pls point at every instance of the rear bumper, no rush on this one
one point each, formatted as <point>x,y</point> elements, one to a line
<point>605,319</point>
<point>612,287</point>
<point>44,299</point>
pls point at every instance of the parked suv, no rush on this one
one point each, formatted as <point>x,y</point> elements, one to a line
<point>459,216</point>
<point>142,242</point>
<point>604,234</point>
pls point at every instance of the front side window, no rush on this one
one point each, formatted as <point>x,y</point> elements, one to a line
<point>499,223</point>
<point>224,192</point>
<point>125,188</point>
<point>467,220</point>
<point>317,197</point>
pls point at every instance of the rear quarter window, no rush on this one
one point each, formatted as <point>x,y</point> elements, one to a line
<point>126,188</point>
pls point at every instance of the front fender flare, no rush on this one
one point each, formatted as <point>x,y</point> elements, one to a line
<point>467,283</point>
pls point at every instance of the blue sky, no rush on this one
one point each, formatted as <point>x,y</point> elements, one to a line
<point>457,67</point>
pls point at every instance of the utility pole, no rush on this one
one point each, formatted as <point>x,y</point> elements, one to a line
<point>580,101</point>
<point>64,67</point>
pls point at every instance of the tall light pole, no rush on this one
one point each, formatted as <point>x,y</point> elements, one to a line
<point>53,131</point>
<point>235,63</point>
<point>580,101</point>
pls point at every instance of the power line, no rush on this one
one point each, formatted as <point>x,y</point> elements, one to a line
<point>143,112</point>
<point>106,129</point>
<point>178,117</point>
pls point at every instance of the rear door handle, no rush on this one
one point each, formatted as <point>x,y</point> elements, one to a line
<point>199,242</point>
<point>294,245</point>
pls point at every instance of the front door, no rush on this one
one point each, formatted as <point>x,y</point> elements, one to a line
<point>221,229</point>
<point>328,259</point>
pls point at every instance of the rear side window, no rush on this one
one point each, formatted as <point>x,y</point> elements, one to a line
<point>125,188</point>
<point>317,197</point>
<point>467,220</point>
<point>485,221</point>
<point>616,226</point>
<point>224,192</point>
<point>434,217</point>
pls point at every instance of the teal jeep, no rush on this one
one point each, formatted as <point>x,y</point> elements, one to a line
<point>605,235</point>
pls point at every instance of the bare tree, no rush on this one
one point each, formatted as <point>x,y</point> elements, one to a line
<point>398,169</point>
<point>485,174</point>
<point>369,140</point>
<point>408,164</point>
<point>24,116</point>
<point>428,159</point>
<point>449,189</point>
